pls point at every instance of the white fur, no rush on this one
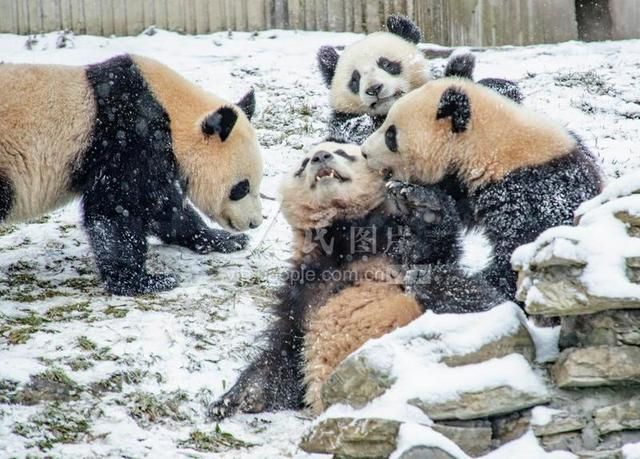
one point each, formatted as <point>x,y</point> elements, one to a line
<point>363,56</point>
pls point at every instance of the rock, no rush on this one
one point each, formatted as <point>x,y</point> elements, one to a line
<point>632,222</point>
<point>623,416</point>
<point>354,438</point>
<point>603,328</point>
<point>597,366</point>
<point>355,382</point>
<point>510,427</point>
<point>569,441</point>
<point>560,423</point>
<point>362,376</point>
<point>474,405</point>
<point>608,454</point>
<point>518,342</point>
<point>426,452</point>
<point>474,440</point>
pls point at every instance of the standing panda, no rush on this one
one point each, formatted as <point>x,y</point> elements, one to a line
<point>521,172</point>
<point>369,76</point>
<point>352,241</point>
<point>139,144</point>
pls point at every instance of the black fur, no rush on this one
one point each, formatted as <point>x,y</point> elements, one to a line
<point>529,200</point>
<point>504,87</point>
<point>220,122</point>
<point>327,63</point>
<point>404,27</point>
<point>425,232</point>
<point>352,128</point>
<point>6,197</point>
<point>461,65</point>
<point>130,183</point>
<point>454,104</point>
<point>248,104</point>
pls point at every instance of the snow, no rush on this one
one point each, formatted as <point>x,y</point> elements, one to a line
<point>631,451</point>
<point>543,415</point>
<point>198,337</point>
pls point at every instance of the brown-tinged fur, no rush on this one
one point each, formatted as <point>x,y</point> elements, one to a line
<point>501,136</point>
<point>37,150</point>
<point>369,301</point>
<point>212,166</point>
<point>373,306</point>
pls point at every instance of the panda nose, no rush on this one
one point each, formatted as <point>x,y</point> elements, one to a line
<point>321,157</point>
<point>374,89</point>
<point>253,225</point>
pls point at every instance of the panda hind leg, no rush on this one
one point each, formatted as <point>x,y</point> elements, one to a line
<point>186,228</point>
<point>120,247</point>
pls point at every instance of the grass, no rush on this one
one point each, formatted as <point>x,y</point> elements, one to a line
<point>213,442</point>
<point>147,408</point>
<point>116,312</point>
<point>55,424</point>
<point>51,385</point>
<point>68,312</point>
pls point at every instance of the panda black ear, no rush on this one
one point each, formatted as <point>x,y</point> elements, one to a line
<point>248,103</point>
<point>220,122</point>
<point>454,104</point>
<point>461,65</point>
<point>404,28</point>
<point>327,61</point>
<point>507,88</point>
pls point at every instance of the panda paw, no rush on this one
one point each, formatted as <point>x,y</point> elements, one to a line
<point>249,398</point>
<point>141,285</point>
<point>424,202</point>
<point>220,241</point>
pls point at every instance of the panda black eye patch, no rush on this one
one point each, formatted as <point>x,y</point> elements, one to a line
<point>354,83</point>
<point>302,167</point>
<point>239,190</point>
<point>389,66</point>
<point>390,138</point>
<point>345,155</point>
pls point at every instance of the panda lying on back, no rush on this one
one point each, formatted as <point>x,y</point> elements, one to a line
<point>135,141</point>
<point>353,239</point>
<point>521,172</point>
<point>369,76</point>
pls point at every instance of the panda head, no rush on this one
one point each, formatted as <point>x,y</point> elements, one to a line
<point>332,182</point>
<point>223,165</point>
<point>456,126</point>
<point>371,74</point>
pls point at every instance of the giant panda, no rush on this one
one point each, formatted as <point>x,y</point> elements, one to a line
<point>521,172</point>
<point>353,241</point>
<point>142,147</point>
<point>369,76</point>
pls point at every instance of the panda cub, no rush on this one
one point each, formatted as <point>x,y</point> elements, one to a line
<point>353,239</point>
<point>521,172</point>
<point>369,76</point>
<point>139,144</point>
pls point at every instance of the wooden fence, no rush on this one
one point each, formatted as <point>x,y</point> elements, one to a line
<point>448,22</point>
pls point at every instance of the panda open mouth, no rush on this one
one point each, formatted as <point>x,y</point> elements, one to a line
<point>329,173</point>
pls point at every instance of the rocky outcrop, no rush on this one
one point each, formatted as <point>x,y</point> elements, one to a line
<point>465,385</point>
<point>589,277</point>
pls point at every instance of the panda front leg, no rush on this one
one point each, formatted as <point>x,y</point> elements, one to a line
<point>120,247</point>
<point>445,288</point>
<point>433,222</point>
<point>180,224</point>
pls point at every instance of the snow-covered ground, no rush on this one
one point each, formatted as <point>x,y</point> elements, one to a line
<point>132,377</point>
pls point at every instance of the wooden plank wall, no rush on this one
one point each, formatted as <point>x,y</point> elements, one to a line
<point>447,22</point>
<point>130,17</point>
